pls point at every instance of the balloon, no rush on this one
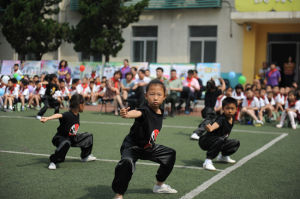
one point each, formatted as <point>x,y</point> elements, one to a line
<point>1,92</point>
<point>82,68</point>
<point>5,79</point>
<point>231,75</point>
<point>16,75</point>
<point>19,78</point>
<point>242,79</point>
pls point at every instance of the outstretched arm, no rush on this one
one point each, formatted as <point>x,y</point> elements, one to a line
<point>125,113</point>
<point>223,84</point>
<point>52,117</point>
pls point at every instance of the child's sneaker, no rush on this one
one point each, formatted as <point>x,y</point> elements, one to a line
<point>227,159</point>
<point>294,126</point>
<point>52,166</point>
<point>164,188</point>
<point>88,158</point>
<point>195,136</point>
<point>279,126</point>
<point>208,165</point>
<point>38,117</point>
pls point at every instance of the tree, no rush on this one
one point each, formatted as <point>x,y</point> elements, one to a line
<point>100,28</point>
<point>30,28</point>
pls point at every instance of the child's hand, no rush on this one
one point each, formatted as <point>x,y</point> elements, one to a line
<point>124,112</point>
<point>208,128</point>
<point>44,119</point>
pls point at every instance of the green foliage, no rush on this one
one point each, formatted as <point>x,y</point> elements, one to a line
<point>100,28</point>
<point>30,26</point>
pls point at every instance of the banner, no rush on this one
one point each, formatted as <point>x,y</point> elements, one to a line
<point>31,68</point>
<point>7,66</point>
<point>92,66</point>
<point>49,66</point>
<point>110,68</point>
<point>139,65</point>
<point>182,69</point>
<point>267,5</point>
<point>166,67</point>
<point>206,71</point>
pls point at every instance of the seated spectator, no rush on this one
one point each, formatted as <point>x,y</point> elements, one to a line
<point>251,107</point>
<point>139,89</point>
<point>23,93</point>
<point>11,94</point>
<point>37,95</point>
<point>16,70</point>
<point>218,106</point>
<point>147,73</point>
<point>280,98</point>
<point>174,88</point>
<point>198,94</point>
<point>190,85</point>
<point>84,89</point>
<point>160,75</point>
<point>134,72</point>
<point>75,87</point>
<point>127,85</point>
<point>113,91</point>
<point>265,106</point>
<point>68,80</point>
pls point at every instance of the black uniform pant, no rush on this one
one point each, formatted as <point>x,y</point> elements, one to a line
<point>172,98</point>
<point>186,95</point>
<point>82,140</point>
<point>49,102</point>
<point>216,144</point>
<point>130,154</point>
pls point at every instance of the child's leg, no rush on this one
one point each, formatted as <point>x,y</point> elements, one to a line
<point>10,102</point>
<point>45,107</point>
<point>211,144</point>
<point>283,116</point>
<point>119,100</point>
<point>166,158</point>
<point>125,169</point>
<point>22,101</point>
<point>63,144</point>
<point>292,115</point>
<point>230,146</point>
<point>85,142</point>
<point>5,101</point>
<point>251,113</point>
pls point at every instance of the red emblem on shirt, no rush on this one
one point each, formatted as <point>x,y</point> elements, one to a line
<point>73,130</point>
<point>153,137</point>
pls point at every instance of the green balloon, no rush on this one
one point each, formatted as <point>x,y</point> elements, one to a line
<point>242,79</point>
<point>16,75</point>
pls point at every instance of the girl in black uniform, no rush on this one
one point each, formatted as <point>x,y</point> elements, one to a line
<point>140,143</point>
<point>67,135</point>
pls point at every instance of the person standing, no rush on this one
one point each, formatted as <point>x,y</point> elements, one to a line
<point>288,71</point>
<point>125,69</point>
<point>63,69</point>
<point>273,77</point>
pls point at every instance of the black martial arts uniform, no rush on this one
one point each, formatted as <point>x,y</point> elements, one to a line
<point>67,136</point>
<point>217,141</point>
<point>139,144</point>
<point>48,100</point>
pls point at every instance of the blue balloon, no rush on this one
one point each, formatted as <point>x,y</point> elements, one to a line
<point>231,75</point>
<point>1,92</point>
<point>19,78</point>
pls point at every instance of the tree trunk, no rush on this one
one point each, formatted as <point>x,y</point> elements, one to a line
<point>106,58</point>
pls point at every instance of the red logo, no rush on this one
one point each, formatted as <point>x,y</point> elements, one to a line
<point>153,137</point>
<point>74,129</point>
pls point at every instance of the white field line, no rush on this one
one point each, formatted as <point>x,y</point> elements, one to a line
<point>129,124</point>
<point>228,170</point>
<point>103,160</point>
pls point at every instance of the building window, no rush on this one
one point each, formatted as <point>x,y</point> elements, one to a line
<point>203,44</point>
<point>96,57</point>
<point>144,43</point>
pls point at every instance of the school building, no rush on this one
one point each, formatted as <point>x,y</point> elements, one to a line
<point>238,34</point>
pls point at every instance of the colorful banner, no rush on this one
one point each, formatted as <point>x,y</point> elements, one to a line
<point>74,66</point>
<point>267,5</point>
<point>49,66</point>
<point>166,67</point>
<point>7,66</point>
<point>110,68</point>
<point>92,66</point>
<point>182,69</point>
<point>206,71</point>
<point>31,68</point>
<point>139,65</point>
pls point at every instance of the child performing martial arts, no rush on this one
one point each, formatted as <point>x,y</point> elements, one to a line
<point>140,143</point>
<point>215,140</point>
<point>67,135</point>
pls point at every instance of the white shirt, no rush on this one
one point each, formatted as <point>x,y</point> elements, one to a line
<point>14,92</point>
<point>219,101</point>
<point>40,92</point>
<point>145,80</point>
<point>280,99</point>
<point>24,92</point>
<point>253,104</point>
<point>238,97</point>
<point>296,106</point>
<point>65,92</point>
<point>272,101</point>
<point>82,90</point>
<point>73,91</point>
<point>263,102</point>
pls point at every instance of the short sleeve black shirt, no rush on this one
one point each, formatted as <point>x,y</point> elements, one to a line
<point>211,98</point>
<point>146,128</point>
<point>224,127</point>
<point>50,89</point>
<point>69,124</point>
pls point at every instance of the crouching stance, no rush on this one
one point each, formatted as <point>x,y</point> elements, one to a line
<point>216,140</point>
<point>67,135</point>
<point>140,143</point>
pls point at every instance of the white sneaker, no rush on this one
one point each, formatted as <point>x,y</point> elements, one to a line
<point>259,122</point>
<point>208,165</point>
<point>195,136</point>
<point>88,158</point>
<point>279,126</point>
<point>294,126</point>
<point>38,117</point>
<point>163,189</point>
<point>52,166</point>
<point>227,159</point>
<point>94,104</point>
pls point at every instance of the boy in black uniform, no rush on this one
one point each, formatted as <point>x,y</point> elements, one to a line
<point>216,138</point>
<point>67,135</point>
<point>140,143</point>
<point>48,99</point>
